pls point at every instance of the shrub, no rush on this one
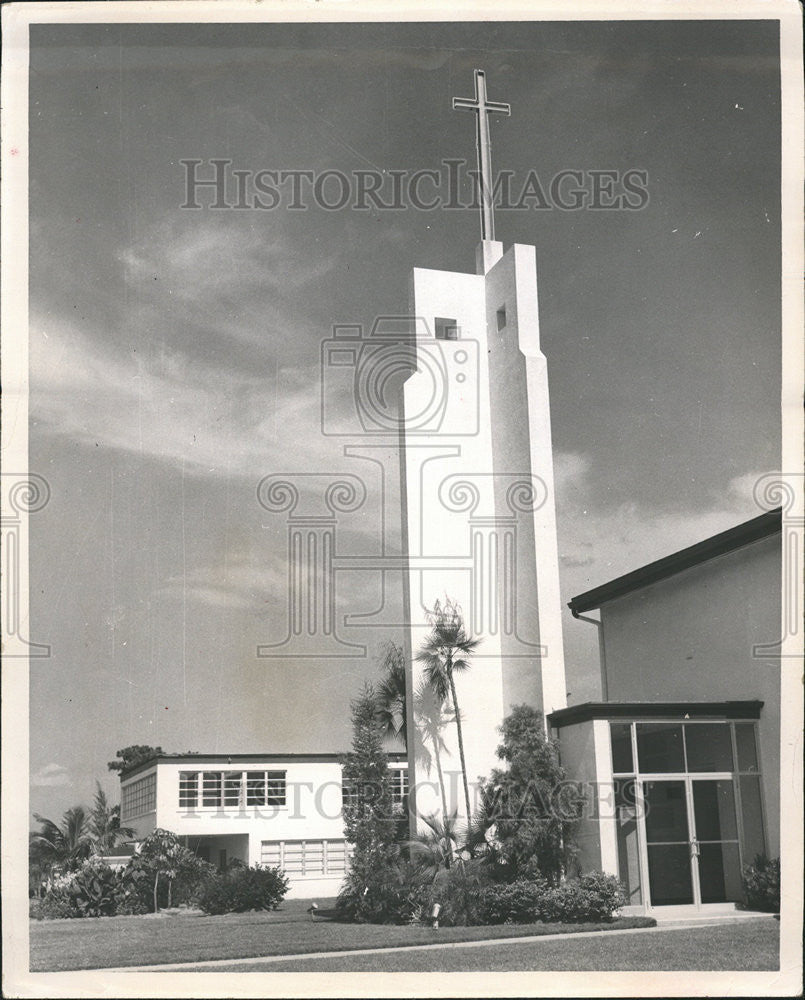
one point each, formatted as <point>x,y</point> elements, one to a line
<point>459,891</point>
<point>94,889</point>
<point>393,892</point>
<point>761,884</point>
<point>129,904</point>
<point>91,891</point>
<point>591,898</point>
<point>53,906</point>
<point>240,889</point>
<point>517,902</point>
<point>191,875</point>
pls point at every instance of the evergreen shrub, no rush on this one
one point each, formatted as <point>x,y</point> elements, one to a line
<point>240,889</point>
<point>761,884</point>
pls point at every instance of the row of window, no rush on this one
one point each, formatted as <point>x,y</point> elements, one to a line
<point>693,747</point>
<point>257,788</point>
<point>139,797</point>
<point>307,858</point>
<point>231,788</point>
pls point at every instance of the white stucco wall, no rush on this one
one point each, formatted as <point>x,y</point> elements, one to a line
<point>468,535</point>
<point>313,812</point>
<point>691,638</point>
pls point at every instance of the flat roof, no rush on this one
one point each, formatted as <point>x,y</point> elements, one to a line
<point>394,756</point>
<point>676,710</point>
<point>717,545</point>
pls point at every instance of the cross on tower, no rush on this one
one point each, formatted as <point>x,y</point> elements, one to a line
<point>482,108</point>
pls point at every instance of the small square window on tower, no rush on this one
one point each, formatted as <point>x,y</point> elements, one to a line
<point>501,316</point>
<point>446,329</point>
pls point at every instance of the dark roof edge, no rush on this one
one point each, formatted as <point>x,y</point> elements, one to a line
<point>590,710</point>
<point>726,541</point>
<point>396,756</point>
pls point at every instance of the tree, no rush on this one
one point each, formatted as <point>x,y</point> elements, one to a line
<point>104,824</point>
<point>391,694</point>
<point>529,811</point>
<point>131,756</point>
<point>438,846</point>
<point>63,845</point>
<point>162,853</point>
<point>446,651</point>
<point>369,821</point>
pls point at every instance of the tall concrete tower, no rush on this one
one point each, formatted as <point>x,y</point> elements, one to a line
<point>479,518</point>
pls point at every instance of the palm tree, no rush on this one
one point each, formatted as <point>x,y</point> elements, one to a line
<point>445,653</point>
<point>104,824</point>
<point>391,694</point>
<point>63,844</point>
<point>437,847</point>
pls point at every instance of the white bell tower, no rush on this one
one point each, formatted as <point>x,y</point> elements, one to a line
<point>479,520</point>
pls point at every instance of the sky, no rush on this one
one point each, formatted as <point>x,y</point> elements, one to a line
<point>175,353</point>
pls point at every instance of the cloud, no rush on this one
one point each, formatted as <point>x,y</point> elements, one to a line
<point>203,260</point>
<point>570,470</point>
<point>234,584</point>
<point>597,545</point>
<point>50,776</point>
<point>204,417</point>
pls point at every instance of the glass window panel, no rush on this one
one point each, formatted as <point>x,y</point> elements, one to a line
<point>628,851</point>
<point>714,810</point>
<point>188,788</point>
<point>752,816</point>
<point>659,747</point>
<point>211,784</point>
<point>621,738</point>
<point>709,746</point>
<point>275,788</point>
<point>232,782</point>
<point>720,873</point>
<point>255,788</point>
<point>666,811</point>
<point>747,750</point>
<point>669,874</point>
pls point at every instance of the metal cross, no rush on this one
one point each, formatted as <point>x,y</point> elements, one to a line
<point>482,108</point>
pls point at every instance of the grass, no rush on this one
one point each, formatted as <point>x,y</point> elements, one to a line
<point>107,942</point>
<point>748,946</point>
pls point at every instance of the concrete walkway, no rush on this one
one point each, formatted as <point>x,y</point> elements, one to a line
<point>663,926</point>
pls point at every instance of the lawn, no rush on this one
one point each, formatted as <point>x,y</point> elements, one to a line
<point>105,942</point>
<point>748,946</point>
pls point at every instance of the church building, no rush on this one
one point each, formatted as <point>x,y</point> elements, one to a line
<point>680,757</point>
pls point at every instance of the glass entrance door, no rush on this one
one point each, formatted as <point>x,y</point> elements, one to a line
<point>692,848</point>
<point>717,858</point>
<point>668,842</point>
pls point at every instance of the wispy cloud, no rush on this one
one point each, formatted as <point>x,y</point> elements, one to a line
<point>212,260</point>
<point>205,417</point>
<point>235,583</point>
<point>50,776</point>
<point>598,544</point>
